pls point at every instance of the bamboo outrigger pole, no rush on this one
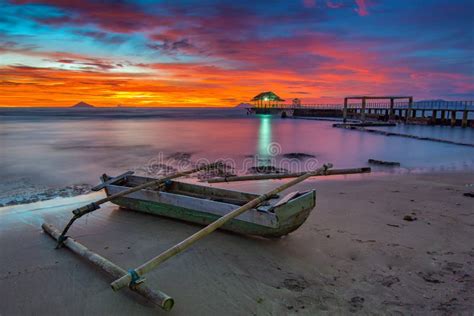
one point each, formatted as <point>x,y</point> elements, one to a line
<point>157,298</point>
<point>81,211</point>
<point>288,175</point>
<point>134,276</point>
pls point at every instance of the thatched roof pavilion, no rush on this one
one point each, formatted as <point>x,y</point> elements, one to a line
<point>266,99</point>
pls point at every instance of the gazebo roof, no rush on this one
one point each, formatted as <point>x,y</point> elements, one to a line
<point>267,96</point>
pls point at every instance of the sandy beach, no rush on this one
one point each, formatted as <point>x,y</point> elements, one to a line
<point>355,254</point>
<point>348,123</point>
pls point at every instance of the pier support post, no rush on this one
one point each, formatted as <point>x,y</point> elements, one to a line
<point>423,113</point>
<point>443,117</point>
<point>410,105</point>
<point>400,114</point>
<point>392,104</point>
<point>362,113</point>
<point>344,111</point>
<point>464,118</point>
<point>434,117</point>
<point>413,113</point>
<point>453,118</point>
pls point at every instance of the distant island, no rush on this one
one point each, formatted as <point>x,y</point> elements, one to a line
<point>82,105</point>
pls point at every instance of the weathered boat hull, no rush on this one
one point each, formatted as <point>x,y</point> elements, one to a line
<point>281,220</point>
<point>290,224</point>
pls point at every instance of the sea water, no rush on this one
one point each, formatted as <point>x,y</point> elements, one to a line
<point>70,146</point>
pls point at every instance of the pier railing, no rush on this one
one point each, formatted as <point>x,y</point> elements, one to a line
<point>419,105</point>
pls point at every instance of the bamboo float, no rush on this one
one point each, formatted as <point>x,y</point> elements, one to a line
<point>81,211</point>
<point>289,175</point>
<point>157,298</point>
<point>129,280</point>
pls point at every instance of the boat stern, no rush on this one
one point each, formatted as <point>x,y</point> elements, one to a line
<point>293,213</point>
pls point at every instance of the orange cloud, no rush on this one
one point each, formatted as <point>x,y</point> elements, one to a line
<point>217,60</point>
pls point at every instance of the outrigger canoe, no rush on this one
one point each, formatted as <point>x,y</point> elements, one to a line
<point>265,215</point>
<point>203,205</point>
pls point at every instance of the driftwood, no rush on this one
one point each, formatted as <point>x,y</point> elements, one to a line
<point>384,163</point>
<point>79,212</point>
<point>129,278</point>
<point>380,132</point>
<point>288,175</point>
<point>155,297</point>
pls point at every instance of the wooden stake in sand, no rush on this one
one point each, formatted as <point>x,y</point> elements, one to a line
<point>135,275</point>
<point>158,298</point>
<point>79,212</point>
<point>289,175</point>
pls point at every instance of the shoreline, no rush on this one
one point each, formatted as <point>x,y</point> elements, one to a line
<point>355,254</point>
<point>29,193</point>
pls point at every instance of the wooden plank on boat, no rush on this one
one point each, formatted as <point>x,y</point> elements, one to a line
<point>112,180</point>
<point>286,198</point>
<point>224,199</point>
<point>294,206</point>
<point>199,205</point>
<point>197,189</point>
<point>157,298</point>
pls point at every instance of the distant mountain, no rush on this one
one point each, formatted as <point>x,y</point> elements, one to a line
<point>82,105</point>
<point>244,105</point>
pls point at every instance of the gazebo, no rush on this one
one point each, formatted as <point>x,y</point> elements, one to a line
<point>266,99</point>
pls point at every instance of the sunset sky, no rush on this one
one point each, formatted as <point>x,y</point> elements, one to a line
<point>221,53</point>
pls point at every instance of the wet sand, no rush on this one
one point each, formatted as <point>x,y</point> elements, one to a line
<point>14,191</point>
<point>355,253</point>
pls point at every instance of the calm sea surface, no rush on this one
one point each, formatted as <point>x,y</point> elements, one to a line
<point>68,146</point>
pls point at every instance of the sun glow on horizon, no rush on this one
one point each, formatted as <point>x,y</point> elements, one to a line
<point>141,54</point>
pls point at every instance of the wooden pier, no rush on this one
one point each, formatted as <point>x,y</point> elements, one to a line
<point>382,108</point>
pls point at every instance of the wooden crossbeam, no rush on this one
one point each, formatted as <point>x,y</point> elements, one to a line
<point>111,181</point>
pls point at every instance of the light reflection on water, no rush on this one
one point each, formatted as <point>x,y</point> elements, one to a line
<point>264,135</point>
<point>78,148</point>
